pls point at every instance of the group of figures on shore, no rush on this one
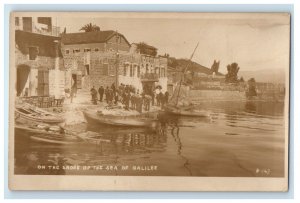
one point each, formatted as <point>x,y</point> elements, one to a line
<point>130,97</point>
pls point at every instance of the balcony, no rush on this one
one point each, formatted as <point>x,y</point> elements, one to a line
<point>150,77</point>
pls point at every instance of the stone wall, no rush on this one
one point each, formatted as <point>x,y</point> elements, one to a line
<point>215,95</point>
<point>109,46</point>
<point>123,46</point>
<point>42,62</point>
<point>56,80</point>
<point>102,68</point>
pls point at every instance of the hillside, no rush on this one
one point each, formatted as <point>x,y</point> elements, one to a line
<point>181,64</point>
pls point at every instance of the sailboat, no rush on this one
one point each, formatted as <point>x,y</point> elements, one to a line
<point>180,92</point>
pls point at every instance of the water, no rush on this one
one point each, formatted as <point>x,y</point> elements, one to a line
<point>239,139</point>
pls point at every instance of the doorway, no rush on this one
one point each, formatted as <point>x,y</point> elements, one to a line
<point>148,87</point>
<point>43,83</point>
<point>74,81</point>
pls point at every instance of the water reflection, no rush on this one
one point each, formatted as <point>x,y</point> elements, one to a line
<point>178,145</point>
<point>250,107</point>
<point>175,135</point>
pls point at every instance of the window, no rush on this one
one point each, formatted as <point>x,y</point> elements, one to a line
<point>17,21</point>
<point>118,39</point>
<point>27,24</point>
<point>87,69</point>
<point>131,71</point>
<point>33,52</point>
<point>86,50</point>
<point>76,50</point>
<point>96,49</point>
<point>67,51</point>
<point>124,70</point>
<point>105,69</point>
<point>138,71</point>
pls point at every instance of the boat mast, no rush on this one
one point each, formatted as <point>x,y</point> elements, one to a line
<point>190,61</point>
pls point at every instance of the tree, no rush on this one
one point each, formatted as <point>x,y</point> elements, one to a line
<point>251,88</point>
<point>232,71</point>
<point>242,79</point>
<point>90,28</point>
<point>172,62</point>
<point>215,67</point>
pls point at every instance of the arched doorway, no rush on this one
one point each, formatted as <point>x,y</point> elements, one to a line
<point>22,79</point>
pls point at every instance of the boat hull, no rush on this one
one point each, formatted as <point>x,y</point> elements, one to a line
<point>122,121</point>
<point>34,114</point>
<point>180,112</point>
<point>43,136</point>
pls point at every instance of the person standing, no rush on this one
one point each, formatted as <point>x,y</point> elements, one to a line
<point>166,97</point>
<point>157,95</point>
<point>113,87</point>
<point>147,101</point>
<point>94,95</point>
<point>106,92</point>
<point>111,96</point>
<point>126,100</point>
<point>116,97</point>
<point>101,92</point>
<point>161,99</point>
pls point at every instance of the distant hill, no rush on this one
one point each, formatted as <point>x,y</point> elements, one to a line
<point>181,64</point>
<point>265,75</point>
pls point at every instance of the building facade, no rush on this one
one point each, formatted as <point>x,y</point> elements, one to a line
<point>39,65</point>
<point>101,58</point>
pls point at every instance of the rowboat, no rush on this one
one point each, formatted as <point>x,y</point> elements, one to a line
<point>46,134</point>
<point>34,114</point>
<point>58,135</point>
<point>185,111</point>
<point>122,121</point>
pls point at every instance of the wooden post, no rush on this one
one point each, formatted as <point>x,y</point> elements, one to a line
<point>184,73</point>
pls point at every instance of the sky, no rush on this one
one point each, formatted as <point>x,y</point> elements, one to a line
<point>254,41</point>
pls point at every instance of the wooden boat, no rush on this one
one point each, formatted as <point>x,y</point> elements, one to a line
<point>45,134</point>
<point>185,112</point>
<point>176,109</point>
<point>31,113</point>
<point>123,121</point>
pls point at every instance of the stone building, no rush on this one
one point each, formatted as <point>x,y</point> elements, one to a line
<point>38,61</point>
<point>89,57</point>
<point>94,58</point>
<point>38,25</point>
<point>143,71</point>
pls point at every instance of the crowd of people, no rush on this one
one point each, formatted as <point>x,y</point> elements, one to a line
<point>130,97</point>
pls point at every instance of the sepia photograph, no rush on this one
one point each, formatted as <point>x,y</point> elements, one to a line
<point>133,101</point>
